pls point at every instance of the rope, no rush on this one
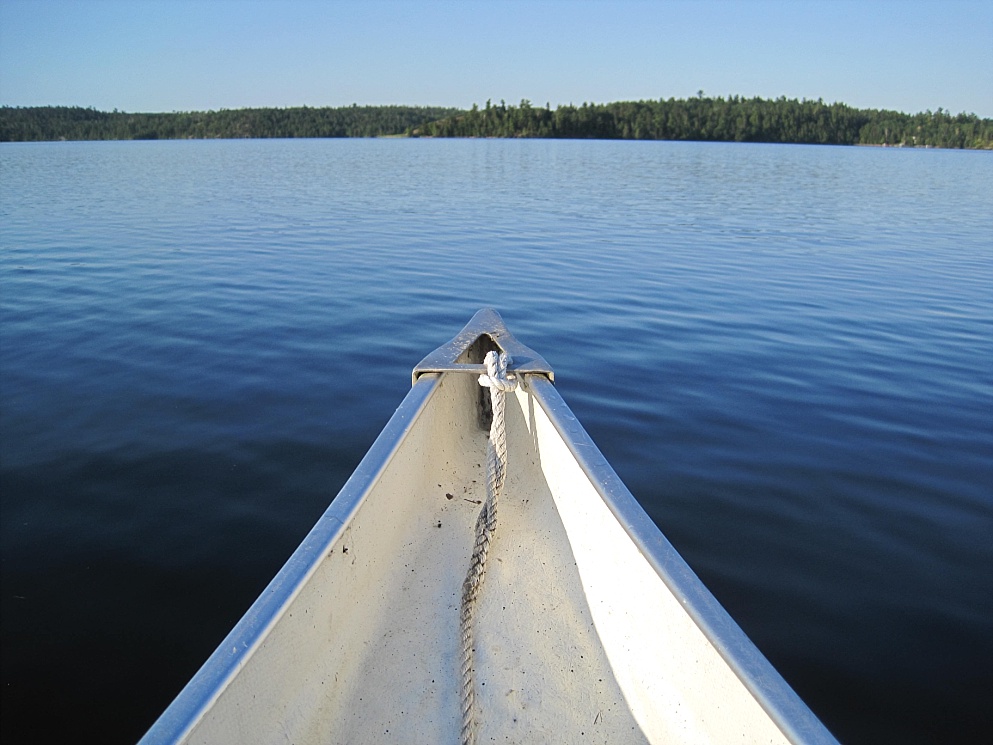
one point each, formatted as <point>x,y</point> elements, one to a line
<point>497,381</point>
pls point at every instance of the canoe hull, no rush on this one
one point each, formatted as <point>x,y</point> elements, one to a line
<point>590,626</point>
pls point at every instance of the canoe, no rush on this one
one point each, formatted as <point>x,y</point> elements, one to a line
<point>583,625</point>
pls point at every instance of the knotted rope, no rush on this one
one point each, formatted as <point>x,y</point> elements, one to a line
<point>497,381</point>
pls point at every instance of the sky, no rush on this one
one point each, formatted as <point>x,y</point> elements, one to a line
<point>193,55</point>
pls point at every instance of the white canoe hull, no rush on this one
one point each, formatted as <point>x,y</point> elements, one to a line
<point>590,626</point>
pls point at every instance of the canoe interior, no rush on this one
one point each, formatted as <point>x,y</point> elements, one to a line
<point>578,637</point>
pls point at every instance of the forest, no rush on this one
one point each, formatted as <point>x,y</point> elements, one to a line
<point>732,119</point>
<point>27,124</point>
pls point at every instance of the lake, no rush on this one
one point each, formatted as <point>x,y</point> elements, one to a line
<point>786,352</point>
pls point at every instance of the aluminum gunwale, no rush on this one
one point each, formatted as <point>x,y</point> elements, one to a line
<point>197,697</point>
<point>797,722</point>
<point>486,322</point>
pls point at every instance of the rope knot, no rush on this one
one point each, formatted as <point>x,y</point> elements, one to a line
<point>496,372</point>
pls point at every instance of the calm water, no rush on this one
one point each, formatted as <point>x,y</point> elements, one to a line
<point>786,352</point>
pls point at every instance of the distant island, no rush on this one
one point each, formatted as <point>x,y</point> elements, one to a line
<point>701,118</point>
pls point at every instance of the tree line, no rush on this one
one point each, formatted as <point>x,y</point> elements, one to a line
<point>24,124</point>
<point>732,119</point>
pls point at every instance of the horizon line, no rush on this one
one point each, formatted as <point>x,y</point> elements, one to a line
<point>730,97</point>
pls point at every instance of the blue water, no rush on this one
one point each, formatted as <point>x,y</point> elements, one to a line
<point>786,352</point>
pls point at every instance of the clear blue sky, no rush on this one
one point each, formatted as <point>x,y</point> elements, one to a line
<point>179,55</point>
